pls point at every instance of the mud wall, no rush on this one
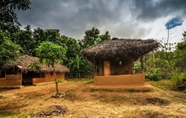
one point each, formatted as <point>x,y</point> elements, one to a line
<point>11,80</point>
<point>126,80</point>
<point>48,78</point>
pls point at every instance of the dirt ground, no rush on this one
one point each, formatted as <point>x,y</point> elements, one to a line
<point>82,102</point>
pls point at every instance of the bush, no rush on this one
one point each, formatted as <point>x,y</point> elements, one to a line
<point>154,74</point>
<point>137,67</point>
<point>178,77</point>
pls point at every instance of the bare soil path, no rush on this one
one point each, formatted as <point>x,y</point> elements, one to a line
<point>82,102</point>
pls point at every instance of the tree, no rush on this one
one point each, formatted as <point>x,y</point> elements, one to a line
<point>104,37</point>
<point>180,55</point>
<point>90,38</point>
<point>73,47</point>
<point>49,54</point>
<point>93,37</point>
<point>80,67</point>
<point>8,17</point>
<point>25,40</point>
<point>52,35</point>
<point>39,36</point>
<point>8,50</point>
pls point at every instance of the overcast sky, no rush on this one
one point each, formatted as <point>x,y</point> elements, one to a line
<point>122,18</point>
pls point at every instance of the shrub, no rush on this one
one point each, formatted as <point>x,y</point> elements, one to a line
<point>178,77</point>
<point>137,67</point>
<point>154,74</point>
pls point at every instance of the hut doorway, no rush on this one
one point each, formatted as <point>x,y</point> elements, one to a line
<point>107,68</point>
<point>27,78</point>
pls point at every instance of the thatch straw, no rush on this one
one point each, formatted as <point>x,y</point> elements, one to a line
<point>24,62</point>
<point>133,48</point>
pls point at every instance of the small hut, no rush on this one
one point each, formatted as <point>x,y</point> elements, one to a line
<point>22,72</point>
<point>115,60</point>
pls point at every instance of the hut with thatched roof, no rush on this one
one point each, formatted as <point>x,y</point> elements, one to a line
<point>27,70</point>
<point>115,60</point>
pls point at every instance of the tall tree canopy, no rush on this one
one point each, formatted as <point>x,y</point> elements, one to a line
<point>25,40</point>
<point>180,54</point>
<point>93,37</point>
<point>8,17</point>
<point>8,50</point>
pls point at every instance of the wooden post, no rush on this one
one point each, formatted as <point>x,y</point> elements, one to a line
<point>95,69</point>
<point>100,66</point>
<point>142,66</point>
<point>22,78</point>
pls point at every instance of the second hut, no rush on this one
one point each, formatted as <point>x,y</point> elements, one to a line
<point>115,60</point>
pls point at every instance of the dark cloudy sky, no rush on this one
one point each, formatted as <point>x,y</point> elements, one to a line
<point>122,18</point>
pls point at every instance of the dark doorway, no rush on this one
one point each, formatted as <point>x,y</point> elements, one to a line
<point>27,77</point>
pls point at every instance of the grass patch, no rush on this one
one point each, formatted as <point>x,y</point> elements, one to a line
<point>134,90</point>
<point>93,90</point>
<point>72,95</point>
<point>15,115</point>
<point>161,87</point>
<point>89,81</point>
<point>110,98</point>
<point>118,98</point>
<point>162,84</point>
<point>81,79</point>
<point>8,114</point>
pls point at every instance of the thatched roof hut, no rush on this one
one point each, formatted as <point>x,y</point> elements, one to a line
<point>133,48</point>
<point>24,62</point>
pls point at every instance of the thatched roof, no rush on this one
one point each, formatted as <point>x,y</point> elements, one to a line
<point>24,62</point>
<point>133,48</point>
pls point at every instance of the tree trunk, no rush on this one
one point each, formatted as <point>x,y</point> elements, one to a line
<point>54,73</point>
<point>0,72</point>
<point>79,75</point>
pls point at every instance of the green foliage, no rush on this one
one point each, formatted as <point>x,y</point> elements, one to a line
<point>50,53</point>
<point>137,67</point>
<point>178,77</point>
<point>158,60</point>
<point>72,50</point>
<point>180,56</point>
<point>80,67</point>
<point>154,74</point>
<point>8,18</point>
<point>104,37</point>
<point>34,66</point>
<point>25,40</point>
<point>60,80</point>
<point>92,37</point>
<point>163,83</point>
<point>8,114</point>
<point>170,63</point>
<point>8,50</point>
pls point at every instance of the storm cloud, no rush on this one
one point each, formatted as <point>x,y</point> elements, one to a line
<point>150,10</point>
<point>122,18</point>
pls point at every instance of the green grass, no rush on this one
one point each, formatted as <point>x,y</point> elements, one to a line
<point>80,79</point>
<point>134,90</point>
<point>8,114</point>
<point>15,115</point>
<point>162,84</point>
